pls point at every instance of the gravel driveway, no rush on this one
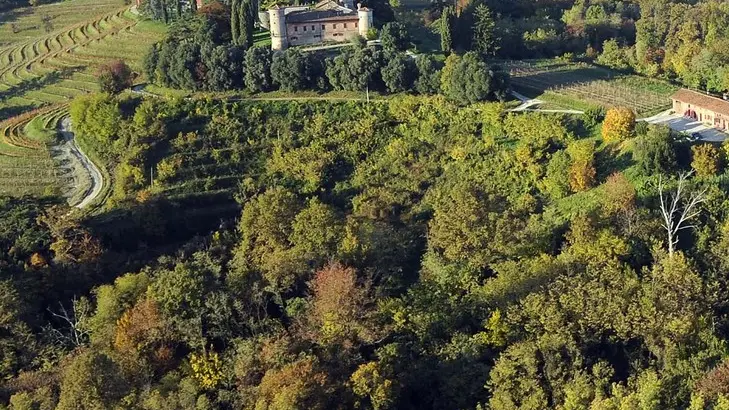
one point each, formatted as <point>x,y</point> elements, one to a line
<point>682,124</point>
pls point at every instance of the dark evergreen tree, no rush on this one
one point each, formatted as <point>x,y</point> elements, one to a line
<point>258,69</point>
<point>428,75</point>
<point>399,73</point>
<point>446,30</point>
<point>484,39</point>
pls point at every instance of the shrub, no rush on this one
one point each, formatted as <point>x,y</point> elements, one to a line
<point>593,116</point>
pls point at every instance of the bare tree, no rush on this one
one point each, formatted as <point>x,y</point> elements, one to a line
<point>73,330</point>
<point>679,208</point>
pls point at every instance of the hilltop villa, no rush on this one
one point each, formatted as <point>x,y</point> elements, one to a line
<point>711,111</point>
<point>325,21</point>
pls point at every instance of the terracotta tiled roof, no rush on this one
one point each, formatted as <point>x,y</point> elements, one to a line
<point>698,99</point>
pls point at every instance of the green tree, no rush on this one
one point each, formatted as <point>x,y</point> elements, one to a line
<point>92,381</point>
<point>224,68</point>
<point>484,39</point>
<point>467,79</point>
<point>97,118</point>
<point>356,70</point>
<point>265,245</point>
<point>242,20</point>
<point>399,73</point>
<point>446,30</point>
<point>428,80</point>
<point>394,37</point>
<point>258,62</point>
<point>613,56</point>
<point>654,152</point>
<point>290,70</point>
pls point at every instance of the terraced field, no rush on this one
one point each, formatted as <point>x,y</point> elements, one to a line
<point>56,67</point>
<point>40,72</point>
<point>26,164</point>
<point>26,24</point>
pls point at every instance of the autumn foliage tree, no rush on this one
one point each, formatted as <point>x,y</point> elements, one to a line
<point>338,304</point>
<point>705,160</point>
<point>618,125</point>
<point>115,76</point>
<point>582,171</point>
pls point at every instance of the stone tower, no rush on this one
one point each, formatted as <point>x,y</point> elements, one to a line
<point>365,20</point>
<point>277,22</point>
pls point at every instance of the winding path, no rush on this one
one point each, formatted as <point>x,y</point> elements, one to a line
<point>97,180</point>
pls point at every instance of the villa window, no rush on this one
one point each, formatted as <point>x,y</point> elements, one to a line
<point>304,28</point>
<point>355,24</point>
<point>334,25</point>
<point>296,28</point>
<point>312,27</point>
<point>345,25</point>
<point>323,27</point>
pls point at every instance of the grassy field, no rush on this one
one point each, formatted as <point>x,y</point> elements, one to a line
<point>42,68</point>
<point>579,86</point>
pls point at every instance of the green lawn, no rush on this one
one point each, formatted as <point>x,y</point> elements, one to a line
<point>262,38</point>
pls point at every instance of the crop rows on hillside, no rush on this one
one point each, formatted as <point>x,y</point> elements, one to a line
<point>588,84</point>
<point>26,164</point>
<point>55,68</point>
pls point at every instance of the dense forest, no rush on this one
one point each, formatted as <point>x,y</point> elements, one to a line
<point>433,249</point>
<point>399,254</point>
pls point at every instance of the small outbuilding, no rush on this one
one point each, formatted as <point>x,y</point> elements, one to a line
<point>709,110</point>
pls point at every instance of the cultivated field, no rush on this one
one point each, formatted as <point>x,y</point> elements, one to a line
<point>42,68</point>
<point>589,85</point>
<point>26,164</point>
<point>53,68</point>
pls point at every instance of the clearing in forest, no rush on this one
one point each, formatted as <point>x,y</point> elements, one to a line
<point>580,85</point>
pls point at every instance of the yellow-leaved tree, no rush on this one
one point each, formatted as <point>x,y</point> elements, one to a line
<point>582,170</point>
<point>618,125</point>
<point>705,160</point>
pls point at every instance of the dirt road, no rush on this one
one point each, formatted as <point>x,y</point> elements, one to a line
<point>96,179</point>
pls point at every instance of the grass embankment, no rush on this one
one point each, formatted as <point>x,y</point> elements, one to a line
<point>275,95</point>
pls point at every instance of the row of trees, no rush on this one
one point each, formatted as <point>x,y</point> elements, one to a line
<point>466,78</point>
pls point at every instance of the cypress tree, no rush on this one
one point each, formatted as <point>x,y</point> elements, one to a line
<point>234,26</point>
<point>245,21</point>
<point>446,30</point>
<point>484,40</point>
